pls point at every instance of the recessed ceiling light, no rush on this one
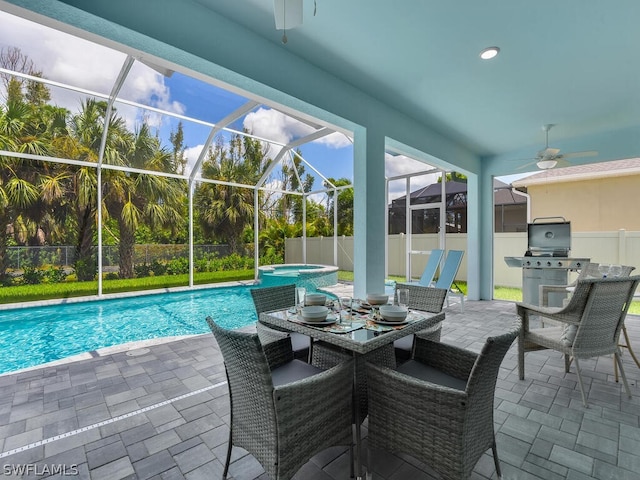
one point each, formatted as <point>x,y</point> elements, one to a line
<point>489,53</point>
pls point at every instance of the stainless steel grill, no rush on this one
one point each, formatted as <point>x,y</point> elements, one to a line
<point>546,261</point>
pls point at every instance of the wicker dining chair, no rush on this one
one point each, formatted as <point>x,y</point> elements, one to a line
<point>590,270</point>
<point>283,410</point>
<point>438,407</point>
<point>269,299</point>
<point>427,299</point>
<point>592,319</point>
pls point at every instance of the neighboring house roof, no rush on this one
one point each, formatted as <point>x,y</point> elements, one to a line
<point>502,192</point>
<point>615,168</point>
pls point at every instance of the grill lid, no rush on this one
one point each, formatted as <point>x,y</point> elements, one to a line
<point>549,238</point>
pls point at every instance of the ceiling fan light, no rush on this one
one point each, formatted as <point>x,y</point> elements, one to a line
<point>489,53</point>
<point>546,164</point>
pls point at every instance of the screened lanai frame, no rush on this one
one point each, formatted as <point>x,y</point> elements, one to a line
<point>285,154</point>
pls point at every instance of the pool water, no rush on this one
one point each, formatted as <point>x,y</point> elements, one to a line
<point>36,335</point>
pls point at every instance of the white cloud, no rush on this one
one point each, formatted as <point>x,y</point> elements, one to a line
<point>71,60</point>
<point>192,154</point>
<point>276,126</point>
<point>335,140</point>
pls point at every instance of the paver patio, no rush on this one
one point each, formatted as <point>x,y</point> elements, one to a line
<point>162,411</point>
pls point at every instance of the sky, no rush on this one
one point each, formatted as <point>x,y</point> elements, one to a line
<point>70,60</point>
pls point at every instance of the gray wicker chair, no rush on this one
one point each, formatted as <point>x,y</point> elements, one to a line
<point>593,319</point>
<point>427,299</point>
<point>438,407</point>
<point>283,411</point>
<point>268,299</point>
<point>591,270</point>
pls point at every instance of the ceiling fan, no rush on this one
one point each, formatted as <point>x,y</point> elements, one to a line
<point>549,158</point>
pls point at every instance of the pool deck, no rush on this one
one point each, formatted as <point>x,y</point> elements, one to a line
<point>161,410</point>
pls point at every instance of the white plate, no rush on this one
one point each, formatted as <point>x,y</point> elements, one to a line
<point>386,322</point>
<point>330,320</point>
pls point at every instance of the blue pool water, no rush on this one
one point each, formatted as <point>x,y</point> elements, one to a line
<point>36,335</point>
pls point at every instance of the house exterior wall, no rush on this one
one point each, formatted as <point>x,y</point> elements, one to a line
<point>591,205</point>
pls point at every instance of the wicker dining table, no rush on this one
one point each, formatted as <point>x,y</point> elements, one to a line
<point>359,335</point>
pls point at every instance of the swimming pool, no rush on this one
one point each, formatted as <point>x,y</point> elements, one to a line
<point>303,275</point>
<point>35,335</point>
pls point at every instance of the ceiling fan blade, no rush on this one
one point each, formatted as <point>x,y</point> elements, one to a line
<point>549,152</point>
<point>288,13</point>
<point>562,162</point>
<point>522,167</point>
<point>588,153</point>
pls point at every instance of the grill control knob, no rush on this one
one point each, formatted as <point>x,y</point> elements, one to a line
<point>538,263</point>
<point>578,264</point>
<point>560,264</point>
<point>548,264</point>
<point>527,263</point>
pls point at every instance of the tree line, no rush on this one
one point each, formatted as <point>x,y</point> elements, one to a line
<point>53,203</point>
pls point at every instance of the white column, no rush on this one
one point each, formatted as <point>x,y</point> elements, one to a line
<point>369,212</point>
<point>191,187</point>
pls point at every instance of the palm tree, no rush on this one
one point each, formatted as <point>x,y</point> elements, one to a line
<point>83,143</point>
<point>132,198</point>
<point>19,178</point>
<point>224,210</point>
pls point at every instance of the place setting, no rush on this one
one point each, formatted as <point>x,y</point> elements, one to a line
<point>317,311</point>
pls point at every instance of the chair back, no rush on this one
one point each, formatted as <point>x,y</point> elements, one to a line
<point>484,374</point>
<point>427,299</point>
<point>481,387</point>
<point>450,269</point>
<point>268,299</point>
<point>605,309</point>
<point>432,266</point>
<point>250,384</point>
<point>592,270</point>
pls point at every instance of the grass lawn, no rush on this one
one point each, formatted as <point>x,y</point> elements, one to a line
<point>46,291</point>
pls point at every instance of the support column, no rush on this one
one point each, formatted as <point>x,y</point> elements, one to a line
<point>369,212</point>
<point>480,213</point>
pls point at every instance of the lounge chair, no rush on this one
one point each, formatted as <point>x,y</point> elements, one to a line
<point>448,275</point>
<point>426,280</point>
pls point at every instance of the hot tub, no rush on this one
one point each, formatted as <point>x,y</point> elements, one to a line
<point>310,277</point>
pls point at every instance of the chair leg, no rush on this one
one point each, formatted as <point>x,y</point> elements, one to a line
<point>228,460</point>
<point>495,459</point>
<point>521,355</point>
<point>567,363</point>
<point>584,397</point>
<point>627,345</point>
<point>618,360</point>
<point>310,357</point>
<point>351,469</point>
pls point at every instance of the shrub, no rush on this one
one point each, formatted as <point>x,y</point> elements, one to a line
<point>85,270</point>
<point>55,275</point>
<point>142,270</point>
<point>32,276</point>
<point>178,266</point>
<point>111,276</point>
<point>271,259</point>
<point>158,268</point>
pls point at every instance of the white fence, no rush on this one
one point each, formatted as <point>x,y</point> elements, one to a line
<point>620,247</point>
